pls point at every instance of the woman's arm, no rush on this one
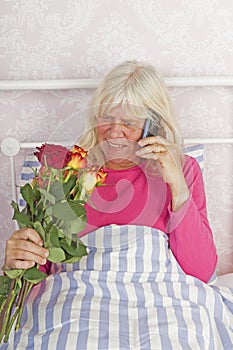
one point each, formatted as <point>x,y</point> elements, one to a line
<point>190,235</point>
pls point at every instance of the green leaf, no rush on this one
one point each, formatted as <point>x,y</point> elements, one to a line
<point>77,249</point>
<point>75,226</point>
<point>14,205</point>
<point>61,233</point>
<point>27,194</point>
<point>72,260</point>
<point>68,210</point>
<point>39,228</point>
<point>48,196</point>
<point>56,254</point>
<point>34,275</point>
<point>69,185</point>
<point>22,219</point>
<point>5,283</point>
<point>39,211</point>
<point>56,189</point>
<point>37,194</point>
<point>54,236</point>
<point>13,273</point>
<point>47,222</point>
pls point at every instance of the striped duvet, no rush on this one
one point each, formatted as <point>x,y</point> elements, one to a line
<point>128,293</point>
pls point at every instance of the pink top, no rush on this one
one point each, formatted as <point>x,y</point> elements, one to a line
<point>132,197</point>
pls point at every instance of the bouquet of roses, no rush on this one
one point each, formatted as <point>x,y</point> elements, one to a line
<point>55,209</point>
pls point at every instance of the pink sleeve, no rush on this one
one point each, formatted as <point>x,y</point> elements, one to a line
<point>190,236</point>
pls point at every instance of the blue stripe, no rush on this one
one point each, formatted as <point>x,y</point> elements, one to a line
<point>155,255</point>
<point>106,265</point>
<point>141,302</point>
<point>27,177</point>
<point>195,309</point>
<point>50,311</point>
<point>66,312</point>
<point>201,300</point>
<point>139,257</point>
<point>218,316</point>
<point>92,251</point>
<point>161,317</point>
<point>123,266</point>
<point>191,148</point>
<point>85,312</point>
<point>35,315</point>
<point>179,313</point>
<point>22,203</point>
<point>104,312</point>
<point>157,259</point>
<point>123,312</point>
<point>31,164</point>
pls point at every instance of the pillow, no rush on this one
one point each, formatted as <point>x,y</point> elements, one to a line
<point>197,152</point>
<point>30,164</point>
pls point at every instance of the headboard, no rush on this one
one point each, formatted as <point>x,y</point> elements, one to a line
<point>11,146</point>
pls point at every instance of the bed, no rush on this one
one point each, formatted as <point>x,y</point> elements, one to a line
<point>121,296</point>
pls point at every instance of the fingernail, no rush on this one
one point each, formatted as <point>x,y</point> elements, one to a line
<point>46,254</point>
<point>40,244</point>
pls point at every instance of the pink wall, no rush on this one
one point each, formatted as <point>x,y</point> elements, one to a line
<point>50,39</point>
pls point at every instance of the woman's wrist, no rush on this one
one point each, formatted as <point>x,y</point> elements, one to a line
<point>180,194</point>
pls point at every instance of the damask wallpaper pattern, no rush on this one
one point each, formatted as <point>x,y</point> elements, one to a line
<point>48,39</point>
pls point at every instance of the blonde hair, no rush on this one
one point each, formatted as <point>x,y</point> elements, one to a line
<point>137,87</point>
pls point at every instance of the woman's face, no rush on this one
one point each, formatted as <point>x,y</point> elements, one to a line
<point>117,136</point>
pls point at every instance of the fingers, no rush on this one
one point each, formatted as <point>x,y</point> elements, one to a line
<point>24,249</point>
<point>28,234</point>
<point>153,140</point>
<point>151,148</point>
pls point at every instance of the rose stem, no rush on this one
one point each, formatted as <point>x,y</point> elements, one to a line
<point>28,286</point>
<point>6,312</point>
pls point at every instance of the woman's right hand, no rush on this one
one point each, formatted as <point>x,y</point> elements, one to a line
<point>24,249</point>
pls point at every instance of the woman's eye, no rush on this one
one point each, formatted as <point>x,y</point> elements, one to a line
<point>130,123</point>
<point>107,118</point>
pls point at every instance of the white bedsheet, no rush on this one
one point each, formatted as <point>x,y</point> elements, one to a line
<point>128,293</point>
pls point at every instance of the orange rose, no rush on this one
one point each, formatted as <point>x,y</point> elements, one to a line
<point>77,161</point>
<point>77,149</point>
<point>101,176</point>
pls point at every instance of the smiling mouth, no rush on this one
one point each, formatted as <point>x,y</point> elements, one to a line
<point>115,146</point>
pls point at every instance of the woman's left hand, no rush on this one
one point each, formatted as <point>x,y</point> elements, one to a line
<point>169,164</point>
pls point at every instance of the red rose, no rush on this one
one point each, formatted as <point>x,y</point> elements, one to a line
<point>55,156</point>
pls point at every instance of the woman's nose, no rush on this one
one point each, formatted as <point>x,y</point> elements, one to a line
<point>116,129</point>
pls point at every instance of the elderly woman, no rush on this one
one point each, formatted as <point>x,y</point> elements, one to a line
<point>150,182</point>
